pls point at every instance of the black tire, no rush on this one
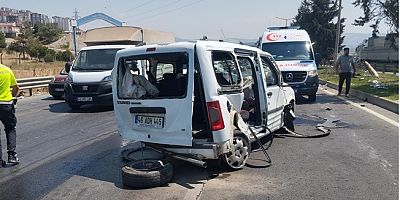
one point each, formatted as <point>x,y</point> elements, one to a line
<point>312,97</point>
<point>146,174</point>
<point>288,119</point>
<point>133,154</point>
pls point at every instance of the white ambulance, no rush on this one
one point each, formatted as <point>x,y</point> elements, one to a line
<point>293,52</point>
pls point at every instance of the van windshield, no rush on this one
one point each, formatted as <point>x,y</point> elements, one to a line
<point>96,59</point>
<point>300,50</point>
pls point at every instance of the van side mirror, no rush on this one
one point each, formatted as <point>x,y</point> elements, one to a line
<point>67,67</point>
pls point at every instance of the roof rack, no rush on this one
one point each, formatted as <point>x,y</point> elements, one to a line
<point>283,27</point>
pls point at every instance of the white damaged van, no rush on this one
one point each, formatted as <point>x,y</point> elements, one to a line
<point>200,100</point>
<point>292,50</point>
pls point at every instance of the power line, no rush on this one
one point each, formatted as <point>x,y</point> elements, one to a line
<point>139,6</point>
<point>171,10</point>
<point>154,9</point>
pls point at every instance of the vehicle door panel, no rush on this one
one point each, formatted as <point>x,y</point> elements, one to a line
<point>273,93</point>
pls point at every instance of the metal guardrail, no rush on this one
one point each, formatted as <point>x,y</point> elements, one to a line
<point>35,82</point>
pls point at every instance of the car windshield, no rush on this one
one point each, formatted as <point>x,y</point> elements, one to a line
<point>96,59</point>
<point>289,50</point>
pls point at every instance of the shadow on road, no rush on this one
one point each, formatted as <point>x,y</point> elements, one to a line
<point>62,107</point>
<point>50,98</point>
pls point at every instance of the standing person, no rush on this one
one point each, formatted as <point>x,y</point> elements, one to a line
<point>7,112</point>
<point>345,66</point>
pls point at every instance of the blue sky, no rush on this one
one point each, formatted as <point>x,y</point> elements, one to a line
<point>190,19</point>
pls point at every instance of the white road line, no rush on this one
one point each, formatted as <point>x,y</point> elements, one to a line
<point>390,121</point>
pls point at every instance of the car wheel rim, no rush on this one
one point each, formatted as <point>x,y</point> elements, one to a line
<point>237,158</point>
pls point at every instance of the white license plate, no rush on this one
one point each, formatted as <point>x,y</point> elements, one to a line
<point>84,99</point>
<point>149,121</point>
<point>59,89</point>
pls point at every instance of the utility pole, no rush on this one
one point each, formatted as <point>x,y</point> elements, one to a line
<point>338,27</point>
<point>286,20</point>
<point>74,24</point>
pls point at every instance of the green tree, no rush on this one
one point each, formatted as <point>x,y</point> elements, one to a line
<point>47,33</point>
<point>316,17</point>
<point>376,11</point>
<point>2,46</point>
<point>33,47</point>
<point>42,51</point>
<point>64,56</point>
<point>13,47</point>
<point>50,56</point>
<point>2,41</point>
<point>26,33</point>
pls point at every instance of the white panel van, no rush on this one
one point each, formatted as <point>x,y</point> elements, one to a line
<point>293,52</point>
<point>200,99</point>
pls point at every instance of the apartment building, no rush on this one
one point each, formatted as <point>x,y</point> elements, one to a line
<point>63,23</point>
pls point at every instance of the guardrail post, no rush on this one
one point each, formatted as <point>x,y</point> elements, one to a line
<point>30,92</point>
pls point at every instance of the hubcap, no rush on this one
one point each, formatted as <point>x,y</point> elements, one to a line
<point>238,157</point>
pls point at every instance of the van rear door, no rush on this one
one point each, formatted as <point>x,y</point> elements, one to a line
<point>156,109</point>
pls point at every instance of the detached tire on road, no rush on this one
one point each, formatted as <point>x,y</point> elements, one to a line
<point>146,173</point>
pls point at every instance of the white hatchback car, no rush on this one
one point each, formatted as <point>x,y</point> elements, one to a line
<point>199,100</point>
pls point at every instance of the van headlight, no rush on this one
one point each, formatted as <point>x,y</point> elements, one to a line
<point>107,78</point>
<point>312,73</point>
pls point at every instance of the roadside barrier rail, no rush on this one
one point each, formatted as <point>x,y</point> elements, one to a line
<point>35,82</point>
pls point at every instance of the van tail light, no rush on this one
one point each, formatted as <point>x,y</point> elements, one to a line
<point>215,116</point>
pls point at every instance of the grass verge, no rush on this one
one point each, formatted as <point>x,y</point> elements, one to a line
<point>365,82</point>
<point>31,67</point>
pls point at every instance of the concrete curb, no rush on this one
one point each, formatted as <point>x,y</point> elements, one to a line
<point>379,101</point>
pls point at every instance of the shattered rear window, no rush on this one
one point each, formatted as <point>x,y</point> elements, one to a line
<point>153,76</point>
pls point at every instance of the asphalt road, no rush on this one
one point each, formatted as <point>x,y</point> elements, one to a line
<point>76,155</point>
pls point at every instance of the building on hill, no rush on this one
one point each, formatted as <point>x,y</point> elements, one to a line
<point>9,29</point>
<point>37,18</point>
<point>63,23</point>
<point>19,17</point>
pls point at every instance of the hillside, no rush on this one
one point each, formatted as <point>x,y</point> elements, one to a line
<point>68,39</point>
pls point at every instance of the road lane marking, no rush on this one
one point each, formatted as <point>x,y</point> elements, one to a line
<point>390,121</point>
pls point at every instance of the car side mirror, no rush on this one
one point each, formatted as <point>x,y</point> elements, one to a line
<point>68,66</point>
